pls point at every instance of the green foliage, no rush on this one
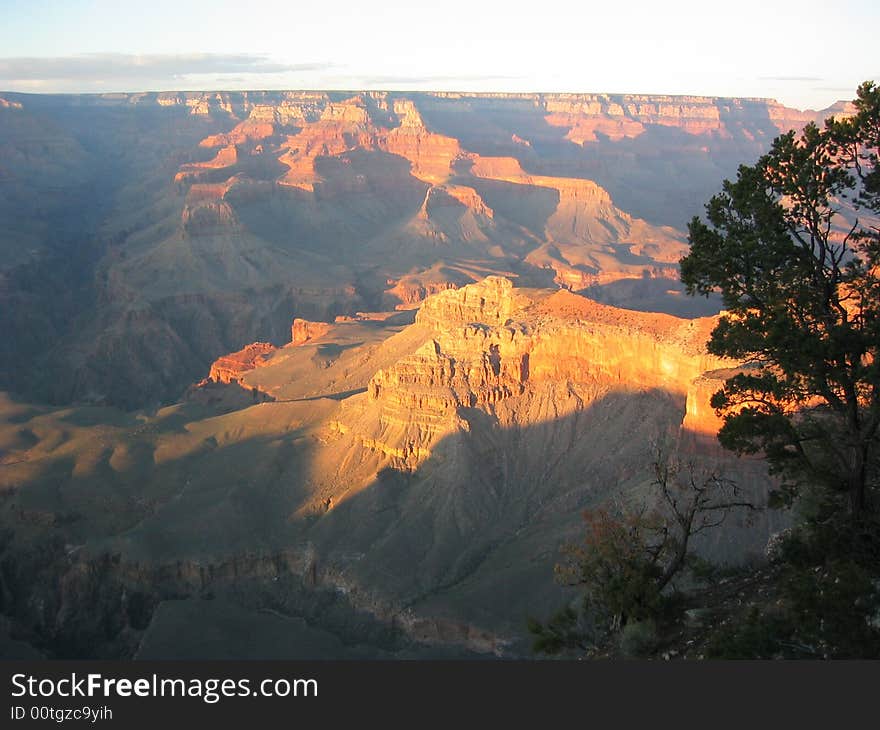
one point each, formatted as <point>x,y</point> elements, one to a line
<point>561,632</point>
<point>797,263</point>
<point>828,538</point>
<point>829,599</point>
<point>628,558</point>
<point>618,569</point>
<point>831,606</point>
<point>616,566</point>
<point>757,637</point>
<point>705,571</point>
<point>638,639</point>
<point>827,612</point>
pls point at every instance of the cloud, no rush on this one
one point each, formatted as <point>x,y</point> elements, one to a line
<point>102,72</point>
<point>118,66</point>
<point>810,79</point>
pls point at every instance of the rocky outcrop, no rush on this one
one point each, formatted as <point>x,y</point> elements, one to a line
<point>230,368</point>
<point>586,215</point>
<point>431,155</point>
<point>341,127</point>
<point>226,156</point>
<point>301,331</point>
<point>206,209</point>
<point>458,198</point>
<point>250,130</point>
<point>490,301</point>
<point>412,289</point>
<point>491,343</point>
<point>628,115</point>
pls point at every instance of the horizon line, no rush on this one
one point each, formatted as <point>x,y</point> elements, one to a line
<point>435,92</point>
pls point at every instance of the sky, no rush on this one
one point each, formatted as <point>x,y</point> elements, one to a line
<point>805,54</point>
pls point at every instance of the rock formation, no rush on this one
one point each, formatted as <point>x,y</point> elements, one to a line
<point>489,343</point>
<point>230,368</point>
<point>301,331</point>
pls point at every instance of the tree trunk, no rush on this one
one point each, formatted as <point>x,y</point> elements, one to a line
<point>857,486</point>
<point>677,560</point>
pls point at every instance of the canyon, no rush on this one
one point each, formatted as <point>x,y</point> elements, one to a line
<point>340,372</point>
<point>400,487</point>
<point>145,235</point>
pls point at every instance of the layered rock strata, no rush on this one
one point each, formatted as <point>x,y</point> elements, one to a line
<point>492,347</point>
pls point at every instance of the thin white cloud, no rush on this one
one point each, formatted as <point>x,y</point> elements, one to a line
<point>100,67</point>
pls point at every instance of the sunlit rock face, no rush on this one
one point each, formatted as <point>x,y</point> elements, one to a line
<point>496,348</point>
<point>301,331</point>
<point>230,368</point>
